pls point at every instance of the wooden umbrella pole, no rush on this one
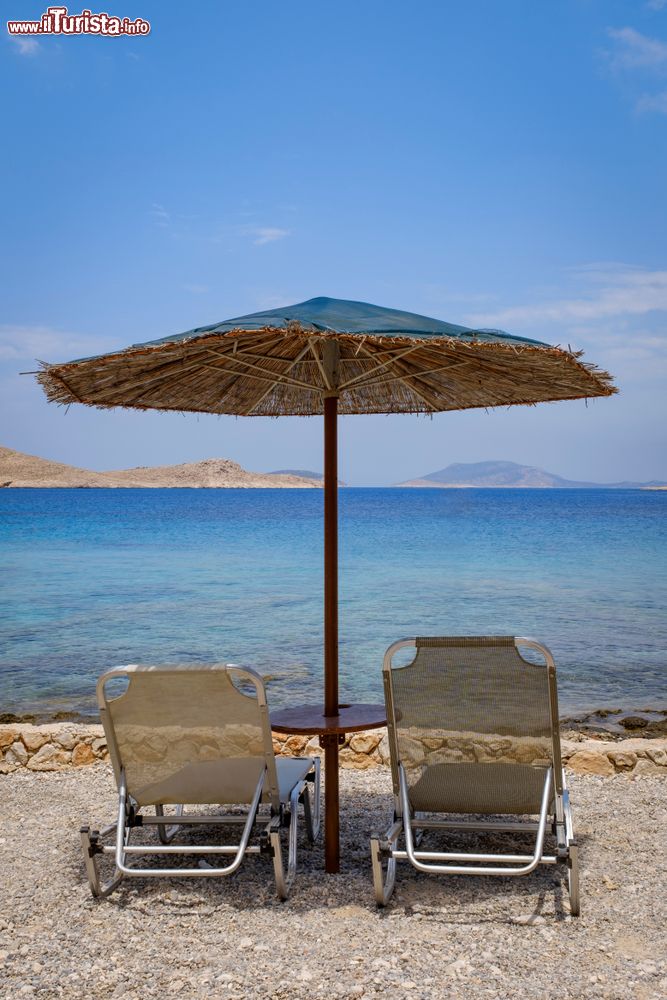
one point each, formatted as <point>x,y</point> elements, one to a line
<point>331,818</point>
<point>330,556</point>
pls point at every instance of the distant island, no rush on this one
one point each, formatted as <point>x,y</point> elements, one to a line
<point>510,475</point>
<point>19,470</point>
<point>304,474</point>
<point>301,473</point>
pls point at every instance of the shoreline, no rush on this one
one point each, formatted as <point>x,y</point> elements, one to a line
<point>613,724</point>
<point>314,484</point>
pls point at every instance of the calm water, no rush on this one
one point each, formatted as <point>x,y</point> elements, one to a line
<point>95,578</point>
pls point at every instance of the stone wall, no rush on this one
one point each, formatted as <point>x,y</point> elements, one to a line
<point>64,745</point>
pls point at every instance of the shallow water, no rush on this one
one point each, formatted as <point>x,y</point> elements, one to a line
<point>95,578</point>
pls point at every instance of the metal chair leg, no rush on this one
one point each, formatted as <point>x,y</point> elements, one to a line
<point>282,887</point>
<point>384,872</point>
<point>91,851</point>
<point>573,880</point>
<point>311,807</point>
<point>572,855</point>
<point>167,833</point>
<point>383,862</point>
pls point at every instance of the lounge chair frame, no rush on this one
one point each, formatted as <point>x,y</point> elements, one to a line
<point>555,809</point>
<point>262,820</point>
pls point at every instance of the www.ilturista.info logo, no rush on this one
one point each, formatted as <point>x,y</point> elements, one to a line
<point>58,21</point>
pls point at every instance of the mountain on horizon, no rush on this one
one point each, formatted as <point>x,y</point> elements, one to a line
<point>510,475</point>
<point>303,473</point>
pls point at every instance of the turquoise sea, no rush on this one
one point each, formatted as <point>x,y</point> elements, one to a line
<point>95,578</point>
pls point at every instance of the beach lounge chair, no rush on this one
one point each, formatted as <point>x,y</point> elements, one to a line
<point>473,731</point>
<point>197,736</point>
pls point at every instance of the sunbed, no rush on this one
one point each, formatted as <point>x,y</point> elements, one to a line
<point>473,732</point>
<point>197,736</point>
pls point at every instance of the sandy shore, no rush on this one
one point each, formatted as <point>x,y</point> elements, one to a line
<point>458,938</point>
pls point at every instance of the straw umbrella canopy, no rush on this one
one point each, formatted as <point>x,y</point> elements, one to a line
<point>325,357</point>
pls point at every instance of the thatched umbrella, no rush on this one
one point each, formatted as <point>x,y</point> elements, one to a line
<point>327,356</point>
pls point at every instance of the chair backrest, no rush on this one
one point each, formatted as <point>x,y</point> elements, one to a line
<point>473,723</point>
<point>189,734</point>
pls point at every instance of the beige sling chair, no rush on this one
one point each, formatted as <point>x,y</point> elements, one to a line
<point>197,736</point>
<point>473,731</point>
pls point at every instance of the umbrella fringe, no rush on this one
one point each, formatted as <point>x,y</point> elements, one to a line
<point>267,373</point>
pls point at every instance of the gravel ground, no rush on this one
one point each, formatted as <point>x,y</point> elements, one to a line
<point>231,938</point>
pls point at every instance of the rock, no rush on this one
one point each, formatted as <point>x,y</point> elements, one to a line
<point>657,754</point>
<point>623,760</point>
<point>360,761</point>
<point>459,968</point>
<point>590,762</point>
<point>100,744</point>
<point>383,749</point>
<point>17,754</point>
<point>154,748</point>
<point>83,754</point>
<point>365,742</point>
<point>67,739</point>
<point>412,751</point>
<point>647,767</point>
<point>49,758</point>
<point>633,722</point>
<point>8,735</point>
<point>525,751</point>
<point>528,919</point>
<point>34,737</point>
<point>432,742</point>
<point>295,745</point>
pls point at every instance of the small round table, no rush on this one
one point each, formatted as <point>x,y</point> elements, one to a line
<point>309,720</point>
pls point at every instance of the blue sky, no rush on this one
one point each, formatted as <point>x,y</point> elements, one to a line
<point>499,164</point>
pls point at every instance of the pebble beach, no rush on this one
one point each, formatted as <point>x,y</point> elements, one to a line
<point>232,938</point>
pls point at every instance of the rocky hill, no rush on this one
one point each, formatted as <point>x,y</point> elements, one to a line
<point>20,470</point>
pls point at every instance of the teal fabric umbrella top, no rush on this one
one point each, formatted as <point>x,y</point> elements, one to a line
<point>286,361</point>
<point>326,315</point>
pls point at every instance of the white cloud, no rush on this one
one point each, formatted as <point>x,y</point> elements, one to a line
<point>27,343</point>
<point>653,102</point>
<point>637,51</point>
<point>656,4</point>
<point>160,215</point>
<point>25,46</point>
<point>619,290</point>
<point>266,234</point>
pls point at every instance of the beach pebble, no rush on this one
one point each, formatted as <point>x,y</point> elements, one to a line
<point>529,919</point>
